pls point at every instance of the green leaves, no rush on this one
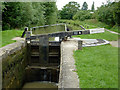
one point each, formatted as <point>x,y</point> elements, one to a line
<point>82,15</point>
<point>85,6</point>
<point>50,12</point>
<point>20,14</point>
<point>92,8</point>
<point>69,10</point>
<point>116,13</point>
<point>109,13</point>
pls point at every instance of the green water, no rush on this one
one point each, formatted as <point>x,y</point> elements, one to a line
<point>49,29</point>
<point>40,85</point>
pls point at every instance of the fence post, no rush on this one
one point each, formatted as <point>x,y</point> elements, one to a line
<point>80,45</point>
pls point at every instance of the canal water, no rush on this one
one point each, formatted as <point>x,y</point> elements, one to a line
<point>44,78</point>
<point>48,29</point>
<point>43,84</point>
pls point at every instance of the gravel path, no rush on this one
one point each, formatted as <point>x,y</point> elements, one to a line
<point>115,43</point>
<point>18,38</point>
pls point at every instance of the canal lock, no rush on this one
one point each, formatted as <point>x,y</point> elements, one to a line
<point>37,60</point>
<point>43,62</point>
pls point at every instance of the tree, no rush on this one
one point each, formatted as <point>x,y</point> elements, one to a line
<point>116,13</point>
<point>0,13</point>
<point>20,14</point>
<point>50,14</point>
<point>11,15</point>
<point>105,14</point>
<point>27,13</point>
<point>92,8</point>
<point>82,15</point>
<point>85,6</point>
<point>38,13</point>
<point>69,10</point>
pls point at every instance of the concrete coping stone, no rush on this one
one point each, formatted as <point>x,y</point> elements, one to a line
<point>11,48</point>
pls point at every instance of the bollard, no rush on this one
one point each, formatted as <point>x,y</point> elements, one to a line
<point>25,30</point>
<point>80,45</point>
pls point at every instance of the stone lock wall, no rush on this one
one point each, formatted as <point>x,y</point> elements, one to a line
<point>14,61</point>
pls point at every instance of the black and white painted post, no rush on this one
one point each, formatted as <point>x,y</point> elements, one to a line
<point>25,30</point>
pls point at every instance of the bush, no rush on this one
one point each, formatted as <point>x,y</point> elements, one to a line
<point>20,14</point>
<point>82,15</point>
<point>109,13</point>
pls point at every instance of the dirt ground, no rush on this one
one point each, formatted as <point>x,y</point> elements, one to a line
<point>18,38</point>
<point>115,43</point>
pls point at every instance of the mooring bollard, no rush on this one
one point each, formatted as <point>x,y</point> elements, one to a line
<point>25,30</point>
<point>80,45</point>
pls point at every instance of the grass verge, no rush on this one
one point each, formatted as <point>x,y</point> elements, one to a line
<point>97,67</point>
<point>8,35</point>
<point>106,35</point>
<point>89,24</point>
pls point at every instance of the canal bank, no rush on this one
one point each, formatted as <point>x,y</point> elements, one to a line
<point>17,72</point>
<point>40,60</point>
<point>68,76</point>
<point>14,61</point>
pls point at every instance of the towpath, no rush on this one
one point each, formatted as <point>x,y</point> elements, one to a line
<point>68,76</point>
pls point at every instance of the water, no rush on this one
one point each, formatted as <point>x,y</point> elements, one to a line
<point>43,84</point>
<point>49,29</point>
<point>42,76</point>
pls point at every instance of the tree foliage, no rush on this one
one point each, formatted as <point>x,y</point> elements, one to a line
<point>50,12</point>
<point>84,6</point>
<point>11,15</point>
<point>69,10</point>
<point>38,14</point>
<point>20,14</point>
<point>82,15</point>
<point>93,7</point>
<point>109,13</point>
<point>116,13</point>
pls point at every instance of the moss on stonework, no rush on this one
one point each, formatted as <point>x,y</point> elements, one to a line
<point>13,69</point>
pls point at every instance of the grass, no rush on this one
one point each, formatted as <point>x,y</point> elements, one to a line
<point>89,24</point>
<point>0,38</point>
<point>115,28</point>
<point>106,35</point>
<point>8,35</point>
<point>97,67</point>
